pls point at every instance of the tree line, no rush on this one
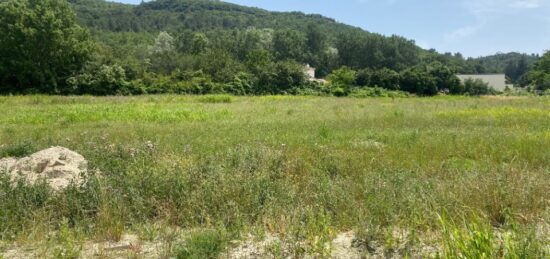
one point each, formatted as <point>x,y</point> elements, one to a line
<point>200,47</point>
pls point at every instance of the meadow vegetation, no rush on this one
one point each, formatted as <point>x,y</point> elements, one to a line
<point>468,176</point>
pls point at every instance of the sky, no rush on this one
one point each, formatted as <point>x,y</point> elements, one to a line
<point>471,27</point>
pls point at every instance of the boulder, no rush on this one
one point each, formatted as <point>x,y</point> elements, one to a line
<point>58,166</point>
<point>6,164</point>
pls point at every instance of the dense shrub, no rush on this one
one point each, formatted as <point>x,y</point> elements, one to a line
<point>343,77</point>
<point>104,80</point>
<point>376,92</point>
<point>418,81</point>
<point>539,78</point>
<point>384,78</point>
<point>280,78</point>
<point>476,87</point>
<point>205,244</point>
<point>242,84</point>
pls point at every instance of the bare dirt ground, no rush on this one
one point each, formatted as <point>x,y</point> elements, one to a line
<point>130,246</point>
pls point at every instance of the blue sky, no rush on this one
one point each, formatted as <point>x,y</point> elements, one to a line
<point>472,27</point>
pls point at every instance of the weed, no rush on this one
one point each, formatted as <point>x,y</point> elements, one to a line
<point>18,149</point>
<point>69,247</point>
<point>216,99</point>
<point>276,249</point>
<point>202,244</point>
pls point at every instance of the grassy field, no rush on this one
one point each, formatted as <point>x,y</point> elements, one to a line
<point>468,177</point>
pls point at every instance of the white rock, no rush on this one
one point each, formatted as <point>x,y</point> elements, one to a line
<point>58,166</point>
<point>6,164</point>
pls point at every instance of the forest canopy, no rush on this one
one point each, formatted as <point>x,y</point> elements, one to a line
<point>202,46</point>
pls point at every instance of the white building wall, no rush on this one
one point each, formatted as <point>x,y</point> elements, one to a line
<point>496,81</point>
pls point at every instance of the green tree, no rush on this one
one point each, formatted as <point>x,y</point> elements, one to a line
<point>104,80</point>
<point>446,78</point>
<point>316,40</point>
<point>258,60</point>
<point>40,45</point>
<point>515,69</point>
<point>280,78</point>
<point>539,77</point>
<point>219,64</point>
<point>343,77</point>
<point>417,80</point>
<point>162,54</point>
<point>163,43</point>
<point>476,87</point>
<point>289,44</point>
<point>199,43</point>
<point>385,78</point>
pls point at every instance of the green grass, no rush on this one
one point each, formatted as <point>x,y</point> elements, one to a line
<point>306,168</point>
<point>204,244</point>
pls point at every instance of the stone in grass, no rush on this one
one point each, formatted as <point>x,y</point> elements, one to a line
<point>6,164</point>
<point>58,166</point>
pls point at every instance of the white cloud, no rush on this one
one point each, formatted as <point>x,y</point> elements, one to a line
<point>461,33</point>
<point>486,7</point>
<point>525,4</point>
<point>486,12</point>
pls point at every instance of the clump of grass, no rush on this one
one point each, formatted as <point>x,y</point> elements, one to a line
<point>216,99</point>
<point>18,149</point>
<point>477,239</point>
<point>18,204</point>
<point>313,234</point>
<point>377,92</point>
<point>207,244</point>
<point>70,246</point>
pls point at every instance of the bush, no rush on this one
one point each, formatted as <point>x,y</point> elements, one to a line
<point>446,79</point>
<point>376,92</point>
<point>104,80</point>
<point>476,87</point>
<point>419,82</point>
<point>19,149</point>
<point>280,78</point>
<point>242,84</point>
<point>343,77</point>
<point>186,82</point>
<point>384,78</point>
<point>339,92</point>
<point>204,244</point>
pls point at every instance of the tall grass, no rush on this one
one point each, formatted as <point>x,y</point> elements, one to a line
<point>305,168</point>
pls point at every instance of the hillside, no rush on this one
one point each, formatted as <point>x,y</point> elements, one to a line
<point>220,20</point>
<point>197,15</point>
<point>206,46</point>
<point>208,15</point>
<point>514,65</point>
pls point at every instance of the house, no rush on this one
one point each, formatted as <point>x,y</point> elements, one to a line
<point>495,81</point>
<point>310,71</point>
<point>310,74</point>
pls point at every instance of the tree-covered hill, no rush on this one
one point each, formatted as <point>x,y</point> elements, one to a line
<point>173,15</point>
<point>515,65</point>
<point>208,46</point>
<point>208,15</point>
<point>222,21</point>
